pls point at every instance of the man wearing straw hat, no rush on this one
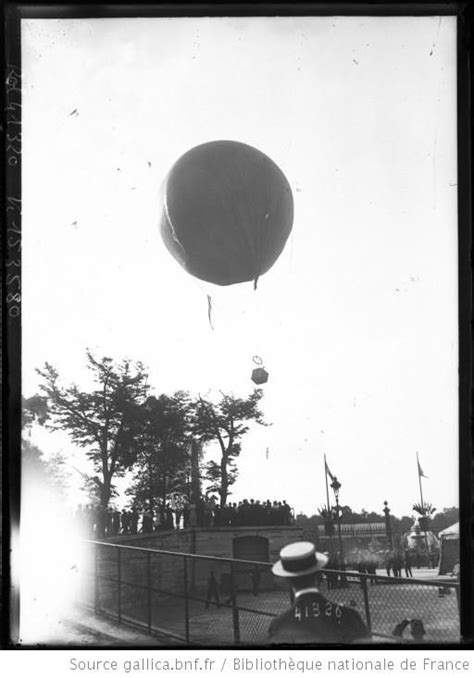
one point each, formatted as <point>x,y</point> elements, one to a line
<point>313,618</point>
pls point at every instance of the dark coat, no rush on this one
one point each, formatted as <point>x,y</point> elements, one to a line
<point>315,619</point>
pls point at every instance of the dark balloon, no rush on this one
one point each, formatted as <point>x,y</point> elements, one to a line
<point>227,212</point>
<point>259,375</point>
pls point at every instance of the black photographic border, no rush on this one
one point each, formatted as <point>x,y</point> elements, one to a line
<point>11,250</point>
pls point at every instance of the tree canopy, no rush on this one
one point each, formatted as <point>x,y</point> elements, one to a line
<point>226,422</point>
<point>162,466</point>
<point>102,420</point>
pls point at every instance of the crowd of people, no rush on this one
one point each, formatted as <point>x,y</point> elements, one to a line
<point>394,562</point>
<point>98,523</point>
<point>254,512</point>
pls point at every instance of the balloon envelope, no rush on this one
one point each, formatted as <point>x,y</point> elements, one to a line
<point>227,211</point>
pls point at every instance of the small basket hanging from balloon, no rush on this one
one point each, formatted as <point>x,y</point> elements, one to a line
<point>259,374</point>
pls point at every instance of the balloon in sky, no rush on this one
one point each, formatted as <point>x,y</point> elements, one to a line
<point>227,211</point>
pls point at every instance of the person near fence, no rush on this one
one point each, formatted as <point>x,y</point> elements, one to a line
<point>125,522</point>
<point>133,522</point>
<point>313,618</point>
<point>407,563</point>
<point>397,564</point>
<point>147,523</point>
<point>331,577</point>
<point>100,523</point>
<point>287,515</point>
<point>193,516</point>
<point>115,522</point>
<point>371,568</point>
<point>388,563</point>
<point>212,590</point>
<point>255,576</point>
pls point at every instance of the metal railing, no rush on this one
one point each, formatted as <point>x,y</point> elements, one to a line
<point>206,600</point>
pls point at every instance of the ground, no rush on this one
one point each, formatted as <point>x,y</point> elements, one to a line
<point>388,604</point>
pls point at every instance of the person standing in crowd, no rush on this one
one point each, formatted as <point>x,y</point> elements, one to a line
<point>159,522</point>
<point>147,523</point>
<point>108,522</point>
<point>232,515</point>
<point>125,522</point>
<point>207,509</point>
<point>115,522</point>
<point>100,522</point>
<point>312,618</point>
<point>193,515</point>
<point>133,522</point>
<point>212,590</point>
<point>178,512</point>
<point>186,508</point>
<point>287,516</point>
<point>169,517</point>
<point>219,515</point>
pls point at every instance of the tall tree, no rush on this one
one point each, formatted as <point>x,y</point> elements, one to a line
<point>226,422</point>
<point>103,420</point>
<point>162,466</point>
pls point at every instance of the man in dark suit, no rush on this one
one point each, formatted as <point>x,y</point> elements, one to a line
<point>313,619</point>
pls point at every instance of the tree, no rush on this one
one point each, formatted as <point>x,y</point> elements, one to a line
<point>34,409</point>
<point>162,466</point>
<point>35,468</point>
<point>226,422</point>
<point>103,421</point>
<point>445,518</point>
<point>402,525</point>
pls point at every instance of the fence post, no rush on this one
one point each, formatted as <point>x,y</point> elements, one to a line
<point>363,581</point>
<point>186,599</point>
<point>119,589</point>
<point>148,589</point>
<point>193,561</point>
<point>456,589</point>
<point>96,579</point>
<point>235,611</point>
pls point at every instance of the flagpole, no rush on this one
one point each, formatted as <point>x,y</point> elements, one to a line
<point>423,508</point>
<point>419,480</point>
<point>326,478</point>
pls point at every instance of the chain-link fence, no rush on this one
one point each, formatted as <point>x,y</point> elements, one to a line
<point>203,600</point>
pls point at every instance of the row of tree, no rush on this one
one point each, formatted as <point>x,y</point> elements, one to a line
<point>123,428</point>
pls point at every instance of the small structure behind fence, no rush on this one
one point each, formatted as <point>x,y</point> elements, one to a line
<point>204,600</point>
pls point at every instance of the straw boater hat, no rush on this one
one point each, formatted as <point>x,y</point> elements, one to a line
<point>299,559</point>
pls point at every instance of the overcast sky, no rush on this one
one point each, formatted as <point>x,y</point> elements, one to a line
<point>356,322</point>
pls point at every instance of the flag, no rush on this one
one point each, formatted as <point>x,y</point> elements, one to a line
<point>328,472</point>
<point>420,470</point>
